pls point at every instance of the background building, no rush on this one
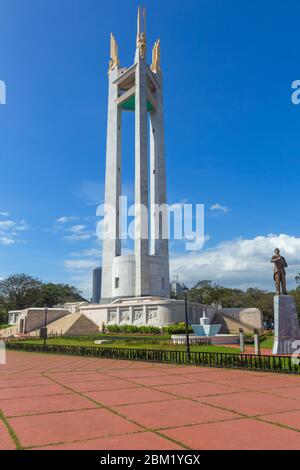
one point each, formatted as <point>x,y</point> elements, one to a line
<point>97,278</point>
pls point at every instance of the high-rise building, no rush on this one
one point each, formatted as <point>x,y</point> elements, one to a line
<point>97,278</point>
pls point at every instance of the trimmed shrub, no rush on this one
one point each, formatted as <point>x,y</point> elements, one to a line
<point>150,330</point>
<point>176,329</point>
<point>113,329</point>
<point>132,329</point>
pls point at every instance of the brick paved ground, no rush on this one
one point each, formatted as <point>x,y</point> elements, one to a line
<point>60,402</point>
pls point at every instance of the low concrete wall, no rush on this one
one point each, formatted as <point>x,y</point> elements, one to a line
<point>34,318</point>
<point>251,316</point>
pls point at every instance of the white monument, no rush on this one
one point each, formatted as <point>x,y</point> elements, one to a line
<point>136,89</point>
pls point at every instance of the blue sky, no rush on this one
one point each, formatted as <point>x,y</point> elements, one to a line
<point>232,132</point>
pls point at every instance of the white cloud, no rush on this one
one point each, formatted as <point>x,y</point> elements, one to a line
<point>65,220</point>
<point>22,226</point>
<point>77,237</point>
<point>78,233</point>
<point>10,231</point>
<point>4,214</point>
<point>80,264</point>
<point>240,263</point>
<point>6,224</point>
<point>76,228</point>
<point>7,241</point>
<point>218,207</point>
<point>91,191</point>
<point>90,252</point>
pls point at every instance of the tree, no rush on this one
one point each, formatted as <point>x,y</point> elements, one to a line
<point>19,291</point>
<point>3,316</point>
<point>209,292</point>
<point>54,294</point>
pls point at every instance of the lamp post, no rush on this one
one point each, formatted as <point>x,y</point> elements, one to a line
<point>188,349</point>
<point>45,326</point>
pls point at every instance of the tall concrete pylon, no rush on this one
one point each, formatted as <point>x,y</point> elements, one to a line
<point>138,89</point>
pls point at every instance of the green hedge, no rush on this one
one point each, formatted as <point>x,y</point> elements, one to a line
<point>150,330</point>
<point>176,329</point>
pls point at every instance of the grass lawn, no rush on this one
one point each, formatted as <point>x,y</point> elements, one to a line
<point>267,343</point>
<point>134,345</point>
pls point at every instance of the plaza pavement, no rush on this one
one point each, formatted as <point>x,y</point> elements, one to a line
<point>63,402</point>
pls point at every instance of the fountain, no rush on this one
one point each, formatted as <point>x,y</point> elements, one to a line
<point>205,328</point>
<point>206,331</point>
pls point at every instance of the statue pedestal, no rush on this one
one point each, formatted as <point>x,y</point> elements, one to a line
<point>286,323</point>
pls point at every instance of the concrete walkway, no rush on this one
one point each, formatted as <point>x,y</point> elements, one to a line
<point>60,402</point>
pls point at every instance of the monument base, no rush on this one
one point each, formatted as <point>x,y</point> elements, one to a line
<point>146,311</point>
<point>286,322</point>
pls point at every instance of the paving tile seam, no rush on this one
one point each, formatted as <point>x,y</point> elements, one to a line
<point>38,396</point>
<point>171,439</point>
<point>113,377</point>
<point>110,409</point>
<point>156,388</point>
<point>172,374</point>
<point>106,436</point>
<point>132,379</point>
<point>11,431</point>
<point>191,425</point>
<point>280,425</point>
<point>237,389</point>
<point>97,379</point>
<point>238,419</point>
<point>217,405</point>
<point>138,376</point>
<point>220,407</point>
<point>277,395</point>
<point>255,417</point>
<point>22,387</point>
<point>194,399</point>
<point>144,402</point>
<point>57,412</point>
<point>106,390</point>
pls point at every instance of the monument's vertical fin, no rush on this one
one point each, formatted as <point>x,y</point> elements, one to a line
<point>158,191</point>
<point>141,166</point>
<point>112,244</point>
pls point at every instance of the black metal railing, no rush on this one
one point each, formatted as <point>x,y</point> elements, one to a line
<point>284,364</point>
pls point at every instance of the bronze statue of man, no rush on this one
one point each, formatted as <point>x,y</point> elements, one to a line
<point>279,272</point>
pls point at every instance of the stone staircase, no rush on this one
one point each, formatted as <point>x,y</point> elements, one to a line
<point>231,325</point>
<point>10,331</point>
